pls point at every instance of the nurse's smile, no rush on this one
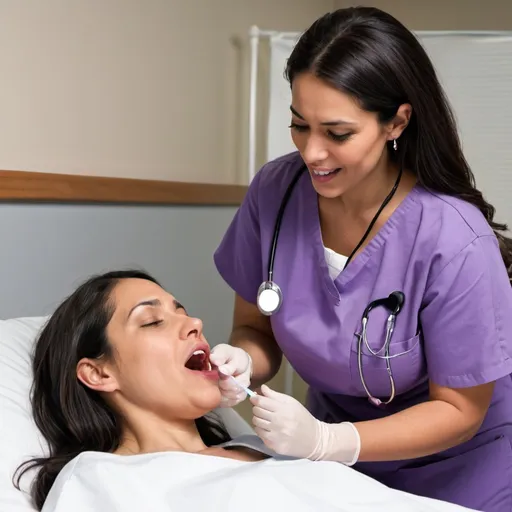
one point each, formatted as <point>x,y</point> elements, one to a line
<point>323,176</point>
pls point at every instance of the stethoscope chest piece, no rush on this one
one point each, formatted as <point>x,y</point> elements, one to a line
<point>269,298</point>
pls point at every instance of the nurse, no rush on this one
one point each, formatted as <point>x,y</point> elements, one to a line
<point>385,202</point>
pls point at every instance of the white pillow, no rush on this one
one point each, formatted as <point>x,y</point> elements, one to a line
<point>20,439</point>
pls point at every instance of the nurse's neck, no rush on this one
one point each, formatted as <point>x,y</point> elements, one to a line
<point>363,201</point>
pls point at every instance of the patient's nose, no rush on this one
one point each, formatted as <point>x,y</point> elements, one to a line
<point>192,328</point>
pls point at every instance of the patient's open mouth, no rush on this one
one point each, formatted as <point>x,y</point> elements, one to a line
<point>198,361</point>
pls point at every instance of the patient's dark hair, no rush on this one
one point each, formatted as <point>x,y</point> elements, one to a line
<point>72,417</point>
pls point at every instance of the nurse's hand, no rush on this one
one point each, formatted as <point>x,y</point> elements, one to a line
<point>236,362</point>
<point>288,428</point>
<point>284,424</point>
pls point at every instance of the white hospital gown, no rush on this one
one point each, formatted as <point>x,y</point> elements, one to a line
<point>178,481</point>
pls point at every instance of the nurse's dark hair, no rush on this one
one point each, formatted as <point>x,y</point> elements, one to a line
<point>368,54</point>
<point>71,417</point>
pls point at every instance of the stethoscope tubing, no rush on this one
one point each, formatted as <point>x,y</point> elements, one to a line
<point>272,287</point>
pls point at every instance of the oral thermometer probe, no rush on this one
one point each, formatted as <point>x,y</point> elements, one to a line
<point>247,390</point>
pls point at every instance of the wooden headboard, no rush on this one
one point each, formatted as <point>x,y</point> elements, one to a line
<point>36,186</point>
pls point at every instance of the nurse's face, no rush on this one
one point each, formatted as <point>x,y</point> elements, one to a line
<point>340,143</point>
<point>153,368</point>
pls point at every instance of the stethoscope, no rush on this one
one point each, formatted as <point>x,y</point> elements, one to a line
<point>393,303</point>
<point>270,297</point>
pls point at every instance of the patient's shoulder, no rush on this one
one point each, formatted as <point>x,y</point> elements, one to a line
<point>82,461</point>
<point>62,483</point>
<point>87,466</point>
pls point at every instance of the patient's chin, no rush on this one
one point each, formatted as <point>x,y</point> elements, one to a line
<point>207,401</point>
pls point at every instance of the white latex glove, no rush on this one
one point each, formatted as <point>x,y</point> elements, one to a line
<point>288,428</point>
<point>236,362</point>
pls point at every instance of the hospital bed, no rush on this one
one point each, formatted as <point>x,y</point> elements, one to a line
<point>20,440</point>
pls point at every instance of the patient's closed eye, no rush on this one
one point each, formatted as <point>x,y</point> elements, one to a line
<point>152,324</point>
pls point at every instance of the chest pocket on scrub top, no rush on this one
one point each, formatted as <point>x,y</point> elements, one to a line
<point>382,366</point>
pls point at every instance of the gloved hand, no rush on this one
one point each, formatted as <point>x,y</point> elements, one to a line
<point>236,362</point>
<point>288,428</point>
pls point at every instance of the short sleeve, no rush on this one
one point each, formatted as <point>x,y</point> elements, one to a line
<point>238,257</point>
<point>466,318</point>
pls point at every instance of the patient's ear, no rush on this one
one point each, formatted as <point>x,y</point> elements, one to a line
<point>97,375</point>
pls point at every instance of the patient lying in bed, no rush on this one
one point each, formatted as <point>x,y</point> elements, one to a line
<point>123,393</point>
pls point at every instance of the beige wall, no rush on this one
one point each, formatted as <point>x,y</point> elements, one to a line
<point>157,88</point>
<point>132,88</point>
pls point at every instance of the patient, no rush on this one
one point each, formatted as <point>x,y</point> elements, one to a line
<point>120,367</point>
<point>123,393</point>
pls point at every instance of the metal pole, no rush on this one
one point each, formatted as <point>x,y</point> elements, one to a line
<point>254,33</point>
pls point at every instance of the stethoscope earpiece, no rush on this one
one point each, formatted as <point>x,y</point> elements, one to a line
<point>396,301</point>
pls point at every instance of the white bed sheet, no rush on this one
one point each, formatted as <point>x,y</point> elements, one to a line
<point>175,481</point>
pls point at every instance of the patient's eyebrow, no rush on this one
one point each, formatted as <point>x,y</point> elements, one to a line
<point>155,303</point>
<point>178,305</point>
<point>152,302</point>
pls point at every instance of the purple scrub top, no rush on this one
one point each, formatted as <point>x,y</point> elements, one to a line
<point>455,327</point>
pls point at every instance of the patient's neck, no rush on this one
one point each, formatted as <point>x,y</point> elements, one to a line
<point>148,433</point>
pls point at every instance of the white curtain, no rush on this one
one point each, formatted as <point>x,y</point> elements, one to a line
<point>279,141</point>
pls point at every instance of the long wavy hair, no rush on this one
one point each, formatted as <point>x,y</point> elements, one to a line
<point>72,417</point>
<point>368,54</point>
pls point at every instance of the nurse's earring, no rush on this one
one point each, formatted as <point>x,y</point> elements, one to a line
<point>395,145</point>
